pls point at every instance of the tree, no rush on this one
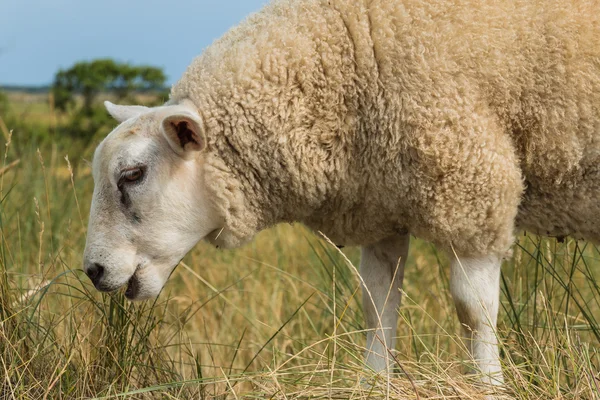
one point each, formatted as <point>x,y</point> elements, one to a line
<point>3,104</point>
<point>105,75</point>
<point>90,79</point>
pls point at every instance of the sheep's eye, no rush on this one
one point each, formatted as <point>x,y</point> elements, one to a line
<point>131,175</point>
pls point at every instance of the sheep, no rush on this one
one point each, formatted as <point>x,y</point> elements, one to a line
<point>459,122</point>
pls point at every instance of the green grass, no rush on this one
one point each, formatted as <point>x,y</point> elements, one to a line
<point>279,318</point>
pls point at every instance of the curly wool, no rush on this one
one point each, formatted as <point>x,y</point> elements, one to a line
<point>457,121</point>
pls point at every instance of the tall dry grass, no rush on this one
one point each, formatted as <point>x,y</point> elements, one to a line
<point>279,318</point>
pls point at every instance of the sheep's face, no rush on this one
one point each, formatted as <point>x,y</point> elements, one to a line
<point>149,206</point>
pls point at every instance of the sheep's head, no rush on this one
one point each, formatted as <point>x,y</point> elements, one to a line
<point>150,204</point>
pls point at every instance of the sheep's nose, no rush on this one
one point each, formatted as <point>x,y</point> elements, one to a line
<point>95,272</point>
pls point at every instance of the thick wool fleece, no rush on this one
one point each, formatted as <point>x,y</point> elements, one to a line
<point>457,121</point>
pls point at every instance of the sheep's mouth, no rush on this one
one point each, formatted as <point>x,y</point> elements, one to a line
<point>133,284</point>
<point>133,287</point>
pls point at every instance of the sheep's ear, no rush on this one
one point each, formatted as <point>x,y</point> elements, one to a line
<point>184,133</point>
<point>123,113</point>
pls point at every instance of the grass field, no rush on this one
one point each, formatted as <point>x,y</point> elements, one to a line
<point>279,318</point>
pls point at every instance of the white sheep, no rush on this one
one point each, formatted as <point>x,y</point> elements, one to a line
<point>456,121</point>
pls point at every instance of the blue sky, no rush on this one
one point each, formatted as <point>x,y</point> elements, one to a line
<point>37,37</point>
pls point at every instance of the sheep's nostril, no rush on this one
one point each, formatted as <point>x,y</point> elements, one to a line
<point>95,272</point>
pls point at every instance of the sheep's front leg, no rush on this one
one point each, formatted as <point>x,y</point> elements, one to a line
<point>475,287</point>
<point>382,272</point>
